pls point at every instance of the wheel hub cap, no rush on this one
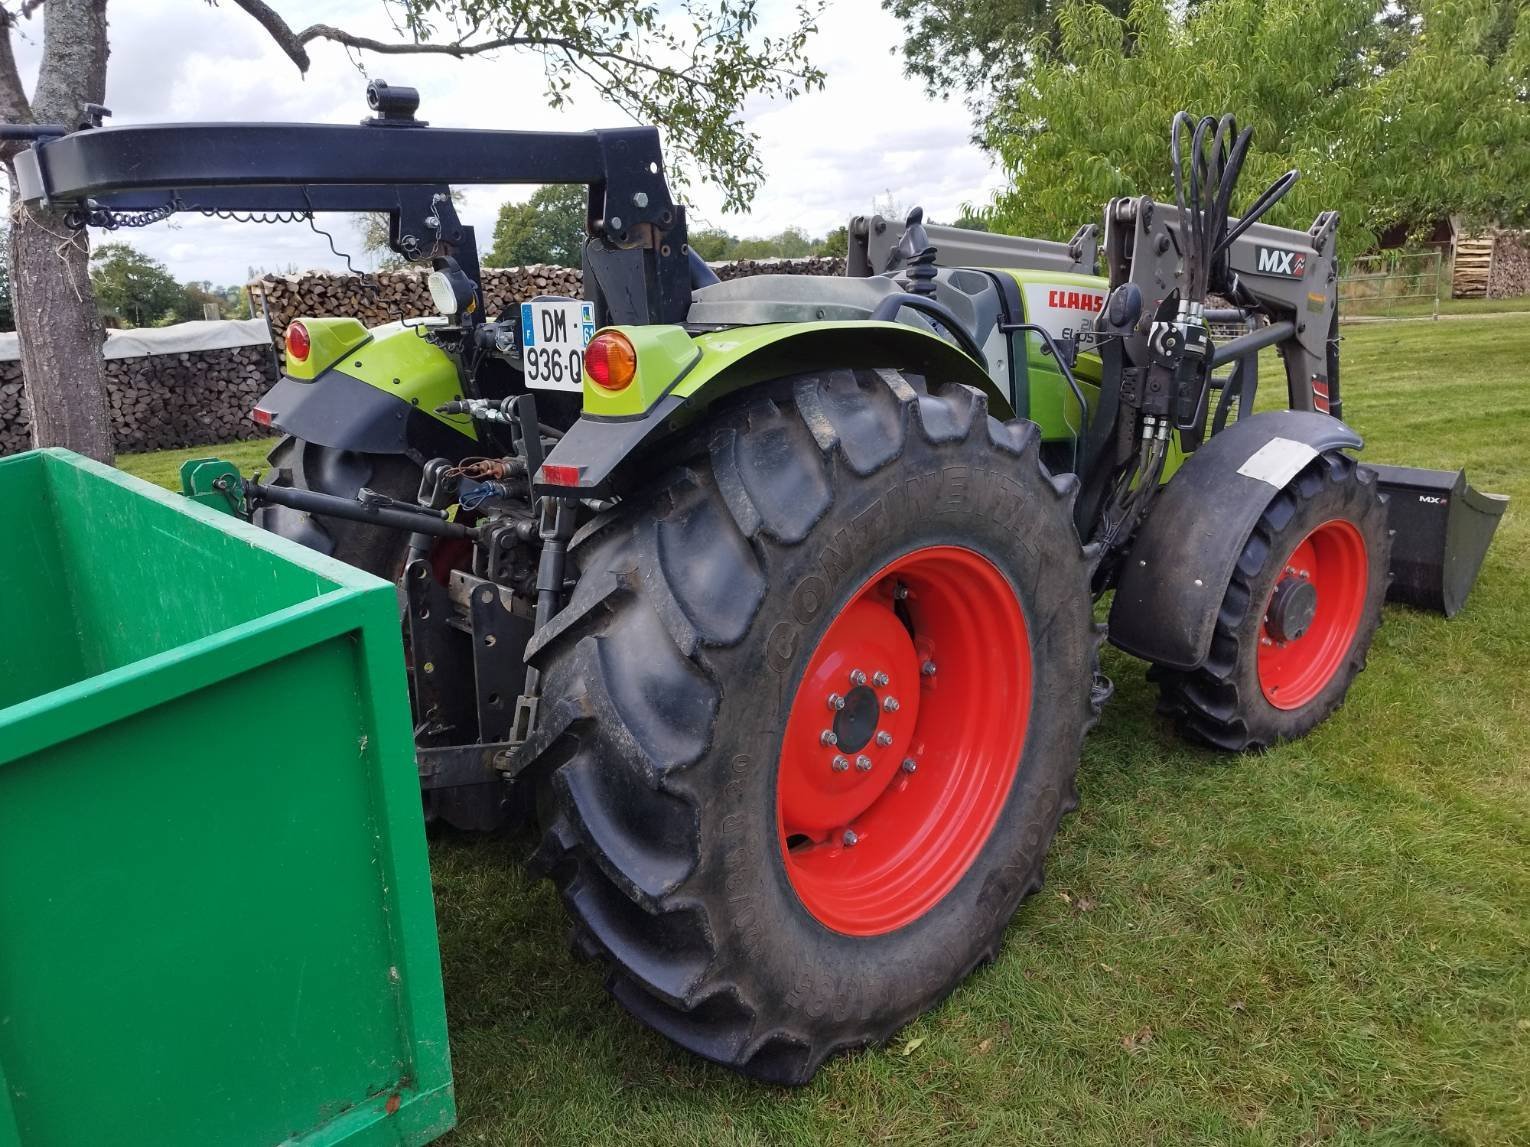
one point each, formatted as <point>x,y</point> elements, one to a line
<point>1313,614</point>
<point>872,847</point>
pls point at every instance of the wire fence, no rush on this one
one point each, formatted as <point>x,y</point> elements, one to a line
<point>1393,284</point>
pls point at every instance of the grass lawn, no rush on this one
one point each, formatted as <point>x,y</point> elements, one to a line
<point>1326,943</point>
<point>1412,308</point>
<point>163,467</point>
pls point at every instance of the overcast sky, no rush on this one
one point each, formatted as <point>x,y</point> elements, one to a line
<point>827,156</point>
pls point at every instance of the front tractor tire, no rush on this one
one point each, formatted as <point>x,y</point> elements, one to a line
<point>1298,616</point>
<point>326,470</point>
<point>812,716</point>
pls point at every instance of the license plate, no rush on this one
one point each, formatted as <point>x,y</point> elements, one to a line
<point>554,333</point>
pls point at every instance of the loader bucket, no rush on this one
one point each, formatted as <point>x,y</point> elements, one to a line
<point>1442,527</point>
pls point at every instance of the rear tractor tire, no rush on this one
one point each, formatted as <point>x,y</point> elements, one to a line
<point>1298,617</point>
<point>812,717</point>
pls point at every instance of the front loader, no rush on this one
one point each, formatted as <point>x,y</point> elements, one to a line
<point>789,631</point>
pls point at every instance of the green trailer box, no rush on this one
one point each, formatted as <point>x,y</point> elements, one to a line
<point>216,924</point>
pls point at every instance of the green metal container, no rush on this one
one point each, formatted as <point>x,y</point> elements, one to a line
<point>216,924</point>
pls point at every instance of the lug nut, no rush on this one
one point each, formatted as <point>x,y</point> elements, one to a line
<point>928,669</point>
<point>828,739</point>
<point>880,679</point>
<point>836,701</point>
<point>840,764</point>
<point>884,738</point>
<point>890,704</point>
<point>900,591</point>
<point>910,765</point>
<point>863,762</point>
<point>857,677</point>
<point>850,838</point>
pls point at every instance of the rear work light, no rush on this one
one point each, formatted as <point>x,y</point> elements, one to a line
<point>298,343</point>
<point>610,360</point>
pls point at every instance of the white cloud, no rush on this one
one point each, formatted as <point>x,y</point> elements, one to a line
<point>827,155</point>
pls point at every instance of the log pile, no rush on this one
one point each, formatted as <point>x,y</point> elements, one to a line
<point>812,265</point>
<point>163,401</point>
<point>388,295</point>
<point>1510,276</point>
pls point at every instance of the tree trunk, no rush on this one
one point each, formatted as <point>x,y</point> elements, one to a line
<point>61,334</point>
<point>56,317</point>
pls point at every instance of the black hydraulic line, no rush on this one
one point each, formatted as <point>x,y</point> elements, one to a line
<point>887,312</point>
<point>1251,342</point>
<point>701,274</point>
<point>1271,195</point>
<point>393,516</point>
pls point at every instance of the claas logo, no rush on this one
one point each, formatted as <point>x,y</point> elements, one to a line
<point>1075,300</point>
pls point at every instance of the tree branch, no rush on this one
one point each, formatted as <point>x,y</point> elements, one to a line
<point>286,39</point>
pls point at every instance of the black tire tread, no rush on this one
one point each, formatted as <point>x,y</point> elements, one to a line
<point>1210,705</point>
<point>621,814</point>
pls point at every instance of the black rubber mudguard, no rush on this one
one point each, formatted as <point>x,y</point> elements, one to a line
<point>344,413</point>
<point>1177,571</point>
<point>1442,528</point>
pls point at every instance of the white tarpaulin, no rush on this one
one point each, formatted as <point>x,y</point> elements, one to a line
<point>204,334</point>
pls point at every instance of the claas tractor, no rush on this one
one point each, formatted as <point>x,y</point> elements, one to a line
<point>774,600</point>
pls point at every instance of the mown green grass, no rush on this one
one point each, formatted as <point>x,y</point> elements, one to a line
<point>163,467</point>
<point>1326,943</point>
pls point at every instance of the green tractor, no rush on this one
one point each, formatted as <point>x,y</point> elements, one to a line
<point>775,598</point>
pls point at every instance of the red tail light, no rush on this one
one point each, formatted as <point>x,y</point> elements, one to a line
<point>298,344</point>
<point>261,417</point>
<point>559,475</point>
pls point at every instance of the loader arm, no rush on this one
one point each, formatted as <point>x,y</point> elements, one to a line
<point>1289,277</point>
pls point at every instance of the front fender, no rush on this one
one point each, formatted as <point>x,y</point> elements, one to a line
<point>614,429</point>
<point>1176,573</point>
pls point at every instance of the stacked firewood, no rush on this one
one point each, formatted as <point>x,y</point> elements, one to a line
<point>1511,265</point>
<point>163,401</point>
<point>812,265</point>
<point>389,295</point>
<point>168,400</point>
<point>15,419</point>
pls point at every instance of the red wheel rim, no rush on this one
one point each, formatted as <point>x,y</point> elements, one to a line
<point>1294,667</point>
<point>931,663</point>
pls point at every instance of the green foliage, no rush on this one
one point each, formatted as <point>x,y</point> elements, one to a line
<point>793,243</point>
<point>836,242</point>
<point>972,47</point>
<point>718,246</point>
<point>1391,115</point>
<point>134,289</point>
<point>138,291</point>
<point>688,67</point>
<point>548,228</point>
<point>713,244</point>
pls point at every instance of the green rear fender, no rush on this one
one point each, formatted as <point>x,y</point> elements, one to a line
<point>371,391</point>
<point>680,375</point>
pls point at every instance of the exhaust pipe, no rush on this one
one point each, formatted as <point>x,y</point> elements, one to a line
<point>1441,530</point>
